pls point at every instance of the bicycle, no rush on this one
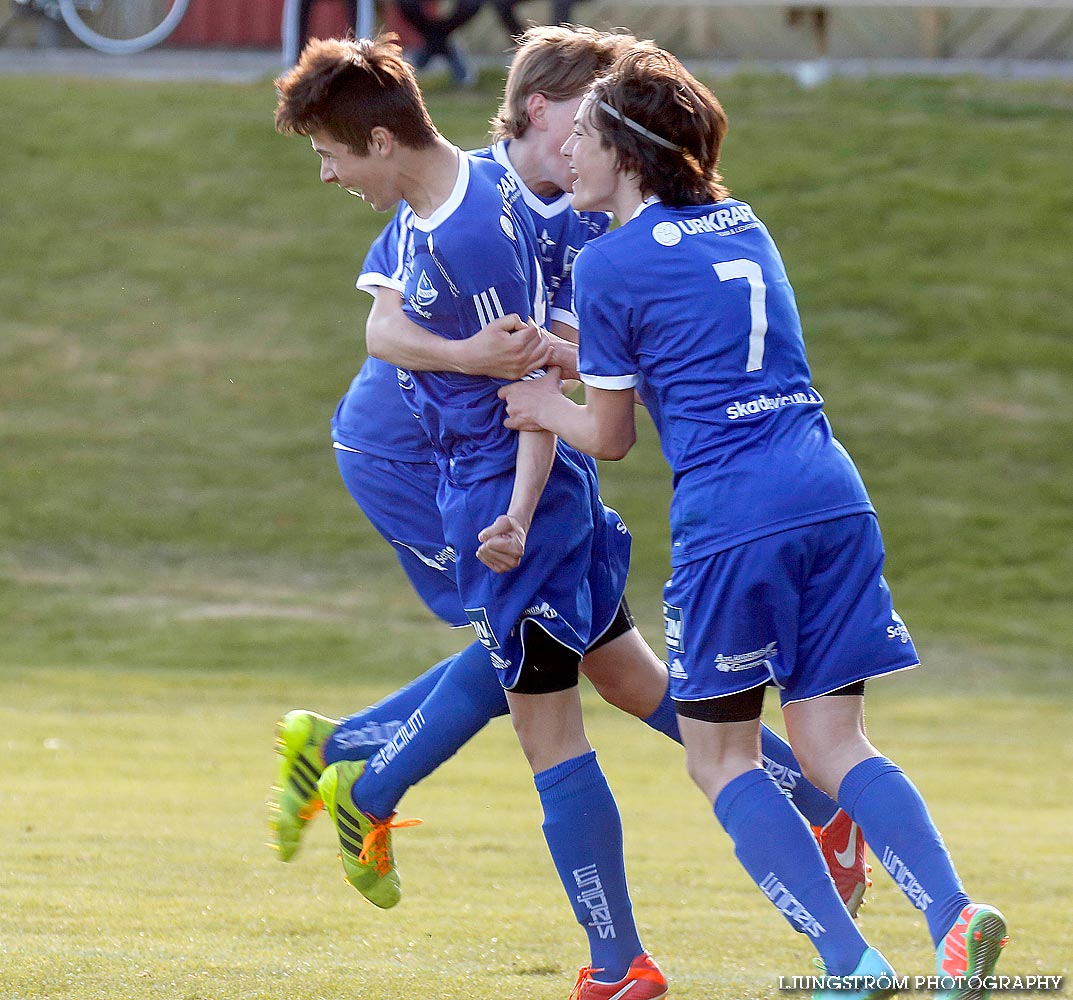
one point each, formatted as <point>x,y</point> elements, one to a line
<point>115,27</point>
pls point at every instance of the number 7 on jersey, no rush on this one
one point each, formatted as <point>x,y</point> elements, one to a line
<point>751,272</point>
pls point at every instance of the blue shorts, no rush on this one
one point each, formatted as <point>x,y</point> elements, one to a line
<point>571,578</point>
<point>612,546</point>
<point>399,499</point>
<point>807,610</point>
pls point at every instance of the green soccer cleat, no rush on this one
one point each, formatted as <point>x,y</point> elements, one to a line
<point>300,736</point>
<point>966,956</point>
<point>364,840</point>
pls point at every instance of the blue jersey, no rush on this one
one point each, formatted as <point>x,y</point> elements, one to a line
<point>456,285</point>
<point>561,233</point>
<point>693,305</point>
<point>577,590</point>
<point>373,417</point>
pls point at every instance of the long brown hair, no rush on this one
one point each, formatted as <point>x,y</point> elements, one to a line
<point>664,125</point>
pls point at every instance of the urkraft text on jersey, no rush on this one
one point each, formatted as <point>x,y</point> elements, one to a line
<point>720,221</point>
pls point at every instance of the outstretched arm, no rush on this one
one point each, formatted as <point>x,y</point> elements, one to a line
<point>505,348</point>
<point>503,541</point>
<point>603,426</point>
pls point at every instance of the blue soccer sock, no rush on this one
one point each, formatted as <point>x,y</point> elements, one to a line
<point>665,718</point>
<point>777,849</point>
<point>895,822</point>
<point>360,735</point>
<point>467,696</point>
<point>779,761</point>
<point>584,833</point>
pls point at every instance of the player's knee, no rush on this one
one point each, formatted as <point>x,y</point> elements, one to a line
<point>712,772</point>
<point>814,766</point>
<point>718,752</point>
<point>831,740</point>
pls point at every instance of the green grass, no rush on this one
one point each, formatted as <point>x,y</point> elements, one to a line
<point>179,563</point>
<point>134,866</point>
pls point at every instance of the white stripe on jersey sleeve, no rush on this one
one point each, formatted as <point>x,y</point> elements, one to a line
<point>488,306</point>
<point>496,306</point>
<point>611,381</point>
<point>564,316</point>
<point>371,280</point>
<point>481,305</point>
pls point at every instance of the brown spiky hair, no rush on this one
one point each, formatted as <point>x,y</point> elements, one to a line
<point>652,88</point>
<point>347,87</point>
<point>558,61</point>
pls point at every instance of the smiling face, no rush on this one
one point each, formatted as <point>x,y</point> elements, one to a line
<point>365,175</point>
<point>596,181</point>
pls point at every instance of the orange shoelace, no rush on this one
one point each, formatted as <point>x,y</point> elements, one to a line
<point>374,846</point>
<point>583,976</point>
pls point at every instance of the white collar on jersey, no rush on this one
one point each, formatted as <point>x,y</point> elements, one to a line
<point>454,199</point>
<point>652,199</point>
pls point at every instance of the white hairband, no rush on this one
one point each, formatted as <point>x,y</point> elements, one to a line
<point>640,129</point>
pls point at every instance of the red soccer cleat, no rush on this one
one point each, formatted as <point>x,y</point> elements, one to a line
<point>844,850</point>
<point>644,981</point>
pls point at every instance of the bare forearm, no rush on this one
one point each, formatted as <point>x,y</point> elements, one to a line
<point>536,453</point>
<point>603,427</point>
<point>564,348</point>
<point>507,348</point>
<point>579,427</point>
<point>398,340</point>
<point>503,541</point>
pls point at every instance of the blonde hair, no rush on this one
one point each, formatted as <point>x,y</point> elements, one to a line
<point>558,61</point>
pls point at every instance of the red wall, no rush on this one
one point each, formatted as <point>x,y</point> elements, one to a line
<point>256,24</point>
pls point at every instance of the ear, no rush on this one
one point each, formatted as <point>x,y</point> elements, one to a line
<point>381,141</point>
<point>536,107</point>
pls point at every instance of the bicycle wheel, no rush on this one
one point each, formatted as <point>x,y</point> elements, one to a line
<point>119,27</point>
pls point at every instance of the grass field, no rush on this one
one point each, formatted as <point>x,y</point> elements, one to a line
<point>179,563</point>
